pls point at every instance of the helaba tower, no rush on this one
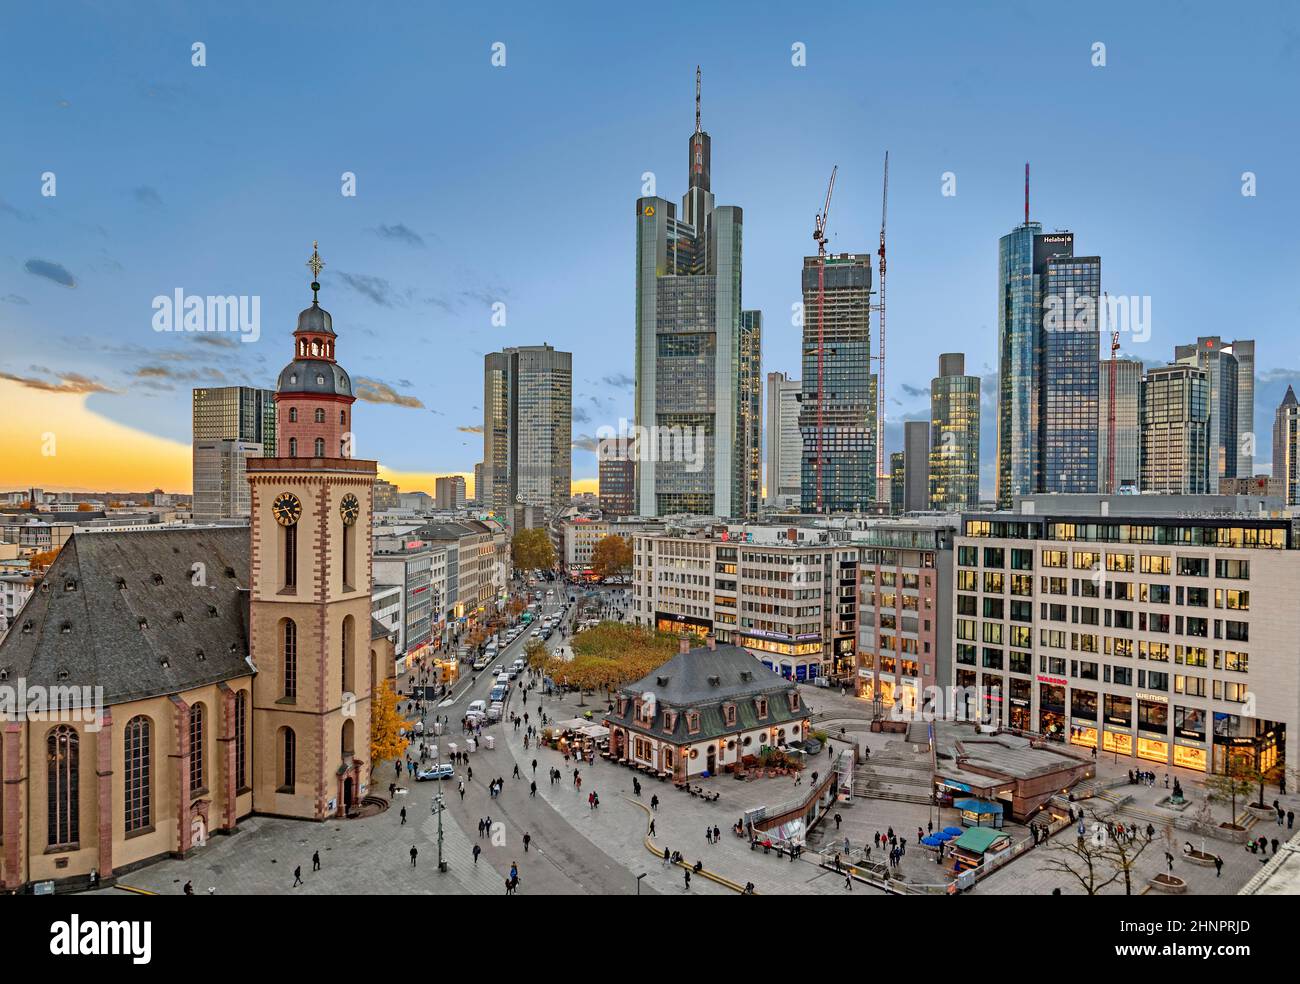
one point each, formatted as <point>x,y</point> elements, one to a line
<point>698,352</point>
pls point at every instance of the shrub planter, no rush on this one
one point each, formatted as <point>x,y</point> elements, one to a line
<point>1169,884</point>
<point>1231,832</point>
<point>1261,812</point>
<point>1204,859</point>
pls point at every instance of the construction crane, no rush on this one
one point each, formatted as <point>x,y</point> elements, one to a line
<point>880,356</point>
<point>819,236</point>
<point>1110,406</point>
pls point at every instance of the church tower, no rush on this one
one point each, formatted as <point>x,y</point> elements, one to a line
<point>310,588</point>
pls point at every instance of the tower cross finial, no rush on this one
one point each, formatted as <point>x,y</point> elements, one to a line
<point>697,98</point>
<point>315,264</point>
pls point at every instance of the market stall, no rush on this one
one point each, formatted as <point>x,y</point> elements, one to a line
<point>977,812</point>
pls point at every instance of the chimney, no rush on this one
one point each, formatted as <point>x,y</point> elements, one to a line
<point>684,644</point>
<point>711,640</point>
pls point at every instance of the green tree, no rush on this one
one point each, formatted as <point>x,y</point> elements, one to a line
<point>532,550</point>
<point>611,556</point>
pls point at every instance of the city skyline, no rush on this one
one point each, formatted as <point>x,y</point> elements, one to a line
<point>411,262</point>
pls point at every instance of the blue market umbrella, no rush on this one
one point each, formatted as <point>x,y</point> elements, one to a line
<point>933,840</point>
<point>953,831</point>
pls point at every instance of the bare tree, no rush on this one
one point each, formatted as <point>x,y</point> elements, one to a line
<point>1086,859</point>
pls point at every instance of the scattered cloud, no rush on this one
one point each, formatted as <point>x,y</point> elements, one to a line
<point>14,299</point>
<point>56,272</point>
<point>166,372</point>
<point>69,382</point>
<point>399,233</point>
<point>584,442</point>
<point>218,341</point>
<point>377,391</point>
<point>915,391</point>
<point>622,380</point>
<point>470,428</point>
<point>14,211</point>
<point>377,289</point>
<point>147,196</point>
<point>580,416</point>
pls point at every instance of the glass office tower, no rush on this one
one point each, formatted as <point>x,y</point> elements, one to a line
<point>1070,292</point>
<point>1018,347</point>
<point>696,350</point>
<point>844,411</point>
<point>954,436</point>
<point>1175,430</point>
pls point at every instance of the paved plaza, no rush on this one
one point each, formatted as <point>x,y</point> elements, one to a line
<point>575,849</point>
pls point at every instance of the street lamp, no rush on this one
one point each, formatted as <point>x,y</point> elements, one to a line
<point>638,882</point>
<point>439,806</point>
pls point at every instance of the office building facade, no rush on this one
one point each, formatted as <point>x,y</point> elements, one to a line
<point>527,428</point>
<point>616,477</point>
<point>954,436</point>
<point>449,492</point>
<point>1146,635</point>
<point>1175,430</point>
<point>1128,426</point>
<point>837,414</point>
<point>1286,447</point>
<point>230,424</point>
<point>916,465</point>
<point>784,442</point>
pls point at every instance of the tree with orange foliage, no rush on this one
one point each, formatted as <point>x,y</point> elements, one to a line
<point>42,561</point>
<point>386,741</point>
<point>85,507</point>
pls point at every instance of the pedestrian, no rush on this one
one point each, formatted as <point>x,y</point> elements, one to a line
<point>717,833</point>
<point>838,819</point>
<point>652,827</point>
<point>403,814</point>
<point>1290,819</point>
<point>687,873</point>
<point>527,840</point>
<point>461,789</point>
<point>414,852</point>
<point>477,851</point>
<point>708,835</point>
<point>654,802</point>
<point>532,790</point>
<point>297,876</point>
<point>848,882</point>
<point>591,801</point>
<point>534,766</point>
<point>1218,866</point>
<point>188,889</point>
<point>1169,860</point>
<point>315,861</point>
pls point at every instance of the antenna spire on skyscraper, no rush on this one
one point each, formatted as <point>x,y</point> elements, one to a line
<point>1026,193</point>
<point>697,98</point>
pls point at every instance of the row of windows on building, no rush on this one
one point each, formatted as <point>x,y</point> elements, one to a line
<point>63,777</point>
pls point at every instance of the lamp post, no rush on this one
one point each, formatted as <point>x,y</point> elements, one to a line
<point>638,882</point>
<point>438,807</point>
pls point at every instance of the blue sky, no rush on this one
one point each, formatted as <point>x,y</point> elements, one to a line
<point>478,184</point>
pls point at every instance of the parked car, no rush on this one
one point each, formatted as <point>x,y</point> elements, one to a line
<point>435,772</point>
<point>477,707</point>
<point>480,663</point>
<point>498,693</point>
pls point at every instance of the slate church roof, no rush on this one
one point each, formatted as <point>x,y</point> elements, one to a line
<point>130,612</point>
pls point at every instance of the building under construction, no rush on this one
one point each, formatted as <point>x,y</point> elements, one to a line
<point>837,415</point>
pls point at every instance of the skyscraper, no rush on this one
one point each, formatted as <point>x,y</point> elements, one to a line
<point>1128,430</point>
<point>697,352</point>
<point>527,428</point>
<point>1231,440</point>
<point>897,482</point>
<point>784,443</point>
<point>1070,292</point>
<point>449,492</point>
<point>617,477</point>
<point>916,464</point>
<point>954,436</point>
<point>1175,429</point>
<point>837,416</point>
<point>1286,447</point>
<point>1048,349</point>
<point>750,445</point>
<point>231,424</point>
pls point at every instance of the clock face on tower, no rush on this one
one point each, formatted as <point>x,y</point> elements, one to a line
<point>349,509</point>
<point>286,508</point>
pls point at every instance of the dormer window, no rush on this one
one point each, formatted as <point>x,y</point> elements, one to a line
<point>729,714</point>
<point>70,584</point>
<point>622,706</point>
<point>158,579</point>
<point>760,705</point>
<point>793,696</point>
<point>670,720</point>
<point>143,622</point>
<point>693,721</point>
